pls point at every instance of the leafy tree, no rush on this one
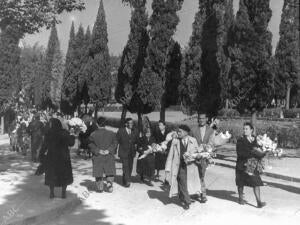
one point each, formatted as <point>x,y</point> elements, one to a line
<point>29,16</point>
<point>287,51</point>
<point>132,63</point>
<point>152,83</point>
<point>100,79</point>
<point>250,53</point>
<point>9,64</point>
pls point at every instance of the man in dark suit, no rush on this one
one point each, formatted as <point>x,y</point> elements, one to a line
<point>127,139</point>
<point>103,144</point>
<point>203,133</point>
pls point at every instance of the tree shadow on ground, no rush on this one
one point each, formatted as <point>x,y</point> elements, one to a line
<point>288,188</point>
<point>26,196</point>
<point>225,195</point>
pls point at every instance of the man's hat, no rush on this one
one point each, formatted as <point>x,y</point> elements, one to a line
<point>185,128</point>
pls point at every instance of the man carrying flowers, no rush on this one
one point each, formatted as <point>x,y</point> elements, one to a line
<point>182,173</point>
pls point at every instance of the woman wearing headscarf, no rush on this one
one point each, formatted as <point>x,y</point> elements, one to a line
<point>58,169</point>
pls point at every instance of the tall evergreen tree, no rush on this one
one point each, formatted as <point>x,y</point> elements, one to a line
<point>152,83</point>
<point>57,72</point>
<point>66,104</point>
<point>47,68</point>
<point>100,79</point>
<point>9,64</point>
<point>173,75</point>
<point>250,53</point>
<point>191,71</point>
<point>132,63</point>
<point>287,51</point>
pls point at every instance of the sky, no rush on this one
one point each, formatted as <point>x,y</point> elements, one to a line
<point>118,17</point>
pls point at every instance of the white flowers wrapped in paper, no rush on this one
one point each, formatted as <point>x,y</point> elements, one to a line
<point>77,124</point>
<point>267,145</point>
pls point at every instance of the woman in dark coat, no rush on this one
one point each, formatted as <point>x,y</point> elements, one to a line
<point>146,166</point>
<point>58,169</point>
<point>247,148</point>
<point>160,136</point>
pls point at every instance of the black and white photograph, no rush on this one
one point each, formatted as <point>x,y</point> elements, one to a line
<point>149,112</point>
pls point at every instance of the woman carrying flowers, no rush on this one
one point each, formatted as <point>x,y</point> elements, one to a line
<point>248,148</point>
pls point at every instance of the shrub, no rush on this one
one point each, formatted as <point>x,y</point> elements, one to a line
<point>229,113</point>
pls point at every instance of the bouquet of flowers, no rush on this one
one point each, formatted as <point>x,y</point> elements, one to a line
<point>221,138</point>
<point>159,147</point>
<point>265,145</point>
<point>203,152</point>
<point>77,124</point>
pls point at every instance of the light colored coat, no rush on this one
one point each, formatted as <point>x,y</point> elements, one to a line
<point>172,168</point>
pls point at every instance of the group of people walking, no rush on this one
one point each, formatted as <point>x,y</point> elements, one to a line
<point>52,141</point>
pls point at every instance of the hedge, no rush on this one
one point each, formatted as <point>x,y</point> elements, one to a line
<point>288,136</point>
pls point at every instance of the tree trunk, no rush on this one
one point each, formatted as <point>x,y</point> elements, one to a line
<point>288,92</point>
<point>85,109</point>
<point>254,120</point>
<point>162,115</point>
<point>123,115</point>
<point>227,104</point>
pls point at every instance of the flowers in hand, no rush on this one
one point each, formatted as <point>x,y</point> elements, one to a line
<point>77,124</point>
<point>221,138</point>
<point>267,145</point>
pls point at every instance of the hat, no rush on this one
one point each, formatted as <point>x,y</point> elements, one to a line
<point>185,128</point>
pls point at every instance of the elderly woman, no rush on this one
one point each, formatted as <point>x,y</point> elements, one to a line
<point>183,177</point>
<point>247,148</point>
<point>58,169</point>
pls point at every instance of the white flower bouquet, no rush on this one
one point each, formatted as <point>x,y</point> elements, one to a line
<point>77,124</point>
<point>221,138</point>
<point>159,147</point>
<point>265,144</point>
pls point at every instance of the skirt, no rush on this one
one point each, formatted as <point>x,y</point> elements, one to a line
<point>146,166</point>
<point>244,179</point>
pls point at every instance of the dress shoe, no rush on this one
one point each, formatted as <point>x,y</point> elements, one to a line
<point>203,199</point>
<point>261,204</point>
<point>51,195</point>
<point>186,206</point>
<point>127,185</point>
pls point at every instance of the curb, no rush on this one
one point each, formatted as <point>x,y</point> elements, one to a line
<point>49,215</point>
<point>268,174</point>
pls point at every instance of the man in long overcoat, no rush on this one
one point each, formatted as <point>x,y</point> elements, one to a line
<point>127,139</point>
<point>183,177</point>
<point>103,144</point>
<point>203,134</point>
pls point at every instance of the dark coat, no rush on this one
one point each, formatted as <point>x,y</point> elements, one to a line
<point>246,150</point>
<point>127,143</point>
<point>84,137</point>
<point>161,157</point>
<point>103,139</point>
<point>146,166</point>
<point>58,169</point>
<point>36,131</point>
<point>202,163</point>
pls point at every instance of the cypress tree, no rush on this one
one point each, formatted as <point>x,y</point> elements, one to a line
<point>250,53</point>
<point>57,72</point>
<point>47,68</point>
<point>132,63</point>
<point>191,71</point>
<point>152,83</point>
<point>66,104</point>
<point>100,79</point>
<point>287,51</point>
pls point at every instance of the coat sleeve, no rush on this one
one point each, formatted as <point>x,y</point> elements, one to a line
<point>92,145</point>
<point>168,166</point>
<point>114,144</point>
